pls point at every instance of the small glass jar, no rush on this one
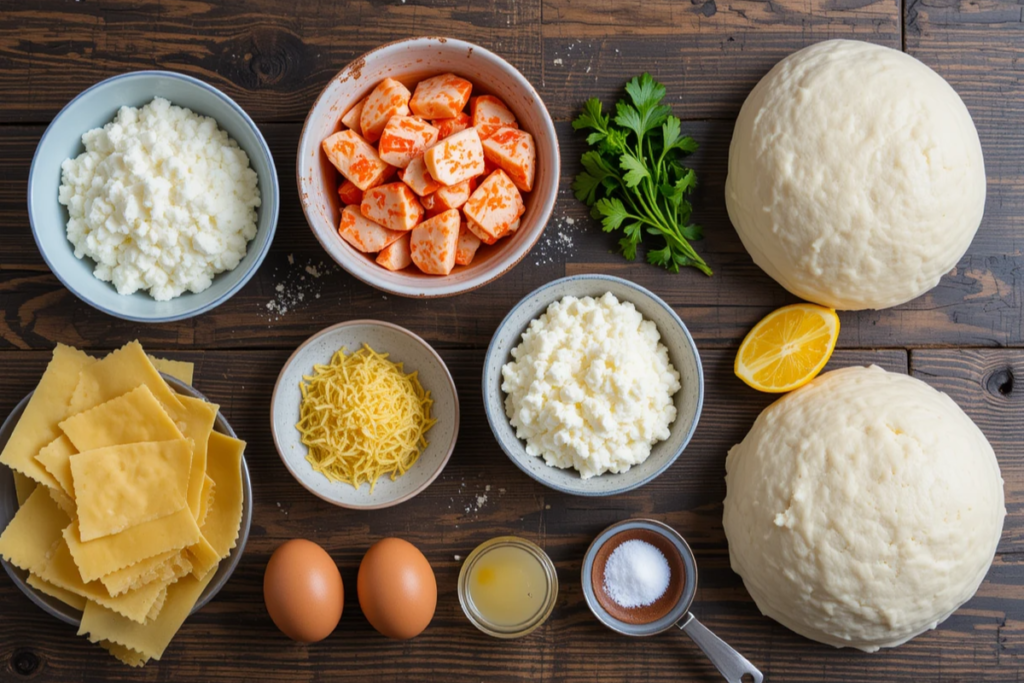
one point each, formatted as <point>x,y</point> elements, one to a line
<point>508,587</point>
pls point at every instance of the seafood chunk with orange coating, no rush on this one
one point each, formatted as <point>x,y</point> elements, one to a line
<point>433,243</point>
<point>489,114</point>
<point>355,159</point>
<point>454,196</point>
<point>351,117</point>
<point>396,255</point>
<point>393,206</point>
<point>494,206</point>
<point>418,178</point>
<point>389,98</point>
<point>405,138</point>
<point>513,151</point>
<point>465,248</point>
<point>453,125</point>
<point>456,158</point>
<point>349,193</point>
<point>363,234</point>
<point>440,97</point>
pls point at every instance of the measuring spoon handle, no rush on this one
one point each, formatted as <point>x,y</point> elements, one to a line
<point>730,663</point>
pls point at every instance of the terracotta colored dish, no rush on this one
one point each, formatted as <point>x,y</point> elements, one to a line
<point>409,61</point>
<point>660,607</point>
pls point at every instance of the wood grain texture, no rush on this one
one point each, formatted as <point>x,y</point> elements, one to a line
<point>978,304</point>
<point>273,57</point>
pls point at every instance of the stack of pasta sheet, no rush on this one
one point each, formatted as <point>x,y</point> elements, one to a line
<point>128,498</point>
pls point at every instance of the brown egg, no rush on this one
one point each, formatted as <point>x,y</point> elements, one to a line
<point>397,589</point>
<point>303,591</point>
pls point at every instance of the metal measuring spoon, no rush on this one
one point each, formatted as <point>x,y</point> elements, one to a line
<point>673,609</point>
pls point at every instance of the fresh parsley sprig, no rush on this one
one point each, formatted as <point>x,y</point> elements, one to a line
<point>633,178</point>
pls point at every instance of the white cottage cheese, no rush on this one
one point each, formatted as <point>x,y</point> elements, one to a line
<point>590,387</point>
<point>162,200</point>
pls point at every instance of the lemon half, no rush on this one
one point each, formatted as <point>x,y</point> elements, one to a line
<point>787,348</point>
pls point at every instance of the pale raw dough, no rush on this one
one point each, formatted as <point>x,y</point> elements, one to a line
<point>856,177</point>
<point>863,509</point>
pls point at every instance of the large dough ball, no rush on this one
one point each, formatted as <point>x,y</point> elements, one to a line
<point>863,508</point>
<point>856,178</point>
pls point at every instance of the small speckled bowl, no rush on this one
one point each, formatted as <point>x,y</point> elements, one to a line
<point>682,352</point>
<point>94,108</point>
<point>69,615</point>
<point>403,347</point>
<point>409,61</point>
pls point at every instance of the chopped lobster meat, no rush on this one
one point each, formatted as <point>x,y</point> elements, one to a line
<point>489,114</point>
<point>363,234</point>
<point>389,98</point>
<point>455,196</point>
<point>355,159</point>
<point>432,205</point>
<point>351,117</point>
<point>465,248</point>
<point>514,152</point>
<point>433,243</point>
<point>440,97</point>
<point>456,158</point>
<point>480,233</point>
<point>405,138</point>
<point>396,255</point>
<point>418,178</point>
<point>453,125</point>
<point>393,206</point>
<point>494,206</point>
<point>349,193</point>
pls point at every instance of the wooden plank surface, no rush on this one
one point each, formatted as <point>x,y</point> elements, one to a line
<point>978,304</point>
<point>273,57</point>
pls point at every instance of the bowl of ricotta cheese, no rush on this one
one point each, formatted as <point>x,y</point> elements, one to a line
<point>592,385</point>
<point>153,196</point>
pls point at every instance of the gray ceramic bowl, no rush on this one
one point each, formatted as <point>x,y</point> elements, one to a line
<point>404,347</point>
<point>69,615</point>
<point>94,108</point>
<point>682,352</point>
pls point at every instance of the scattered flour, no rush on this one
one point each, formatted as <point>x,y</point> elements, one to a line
<point>296,287</point>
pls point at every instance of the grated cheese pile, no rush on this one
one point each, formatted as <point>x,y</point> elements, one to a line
<point>363,417</point>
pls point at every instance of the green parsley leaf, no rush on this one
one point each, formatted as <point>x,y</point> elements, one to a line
<point>633,177</point>
<point>635,170</point>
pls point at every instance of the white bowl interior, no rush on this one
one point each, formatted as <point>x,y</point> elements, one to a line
<point>410,61</point>
<point>95,108</point>
<point>405,348</point>
<point>681,350</point>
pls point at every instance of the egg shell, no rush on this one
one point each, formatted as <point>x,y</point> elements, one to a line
<point>303,591</point>
<point>397,589</point>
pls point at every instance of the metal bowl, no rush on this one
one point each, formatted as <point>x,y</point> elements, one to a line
<point>69,615</point>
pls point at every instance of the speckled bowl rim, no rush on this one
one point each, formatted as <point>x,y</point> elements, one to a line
<point>543,217</point>
<point>492,419</point>
<point>225,569</point>
<point>451,386</point>
<point>275,191</point>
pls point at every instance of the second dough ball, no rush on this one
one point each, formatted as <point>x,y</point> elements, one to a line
<point>856,177</point>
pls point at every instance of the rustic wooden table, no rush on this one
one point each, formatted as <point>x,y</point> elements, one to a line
<point>273,57</point>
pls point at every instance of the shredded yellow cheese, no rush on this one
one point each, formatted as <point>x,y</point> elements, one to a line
<point>362,417</point>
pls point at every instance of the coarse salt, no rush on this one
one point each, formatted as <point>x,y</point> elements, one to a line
<point>636,574</point>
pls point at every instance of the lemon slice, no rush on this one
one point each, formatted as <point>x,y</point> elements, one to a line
<point>788,348</point>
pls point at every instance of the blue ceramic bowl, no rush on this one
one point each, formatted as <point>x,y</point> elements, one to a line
<point>94,108</point>
<point>682,352</point>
